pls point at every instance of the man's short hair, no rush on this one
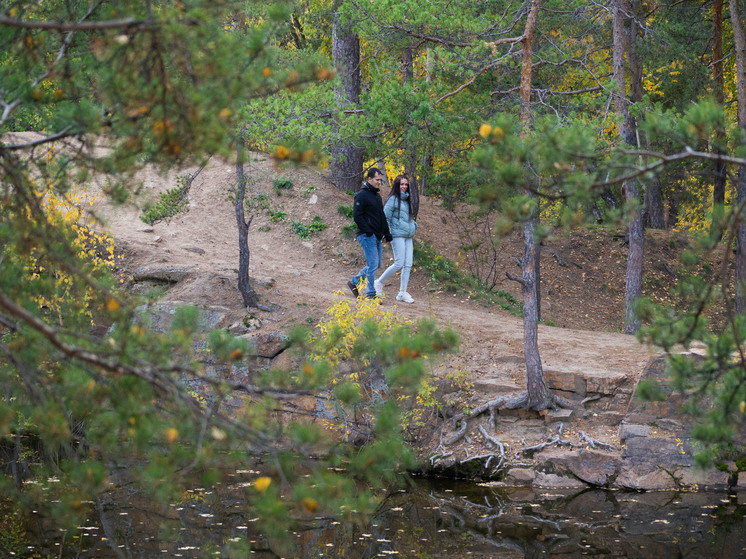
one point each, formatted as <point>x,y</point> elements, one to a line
<point>372,172</point>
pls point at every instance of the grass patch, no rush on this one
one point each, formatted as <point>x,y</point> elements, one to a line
<point>445,276</point>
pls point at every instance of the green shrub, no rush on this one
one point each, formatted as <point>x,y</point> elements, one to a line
<point>277,215</point>
<point>170,203</point>
<point>301,230</point>
<point>304,231</point>
<point>282,183</point>
<point>317,224</point>
<point>345,211</point>
<point>446,276</point>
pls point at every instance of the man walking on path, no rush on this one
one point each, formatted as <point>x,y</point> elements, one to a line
<point>367,211</point>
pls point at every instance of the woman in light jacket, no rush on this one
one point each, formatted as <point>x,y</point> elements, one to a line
<point>402,225</point>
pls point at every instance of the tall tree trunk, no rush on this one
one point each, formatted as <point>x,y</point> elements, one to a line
<point>740,42</point>
<point>244,254</point>
<point>346,161</point>
<point>539,396</point>
<point>427,158</point>
<point>654,204</point>
<point>410,164</point>
<point>718,85</point>
<point>624,44</point>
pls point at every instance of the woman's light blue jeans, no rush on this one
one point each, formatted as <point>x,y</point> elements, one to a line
<point>403,255</point>
<point>373,252</point>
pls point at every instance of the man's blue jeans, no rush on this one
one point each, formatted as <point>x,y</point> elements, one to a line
<point>373,252</point>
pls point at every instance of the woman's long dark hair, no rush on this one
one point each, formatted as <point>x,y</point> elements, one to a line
<point>396,191</point>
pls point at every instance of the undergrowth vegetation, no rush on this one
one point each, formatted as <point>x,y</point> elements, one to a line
<point>445,275</point>
<point>169,204</point>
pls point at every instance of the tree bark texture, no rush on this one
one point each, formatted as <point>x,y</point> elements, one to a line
<point>739,38</point>
<point>410,164</point>
<point>244,285</point>
<point>718,86</point>
<point>624,35</point>
<point>539,396</point>
<point>656,216</point>
<point>346,157</point>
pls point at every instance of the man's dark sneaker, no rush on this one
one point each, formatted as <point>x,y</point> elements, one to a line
<point>377,298</point>
<point>353,288</point>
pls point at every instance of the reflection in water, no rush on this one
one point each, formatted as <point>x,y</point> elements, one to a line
<point>435,520</point>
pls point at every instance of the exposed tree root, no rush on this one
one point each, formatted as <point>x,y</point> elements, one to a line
<point>555,402</point>
<point>499,446</point>
<point>457,436</point>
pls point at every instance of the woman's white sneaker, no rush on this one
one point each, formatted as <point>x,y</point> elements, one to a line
<point>405,297</point>
<point>378,287</point>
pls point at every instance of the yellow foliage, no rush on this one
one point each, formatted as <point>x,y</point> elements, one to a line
<point>262,483</point>
<point>68,212</point>
<point>345,324</point>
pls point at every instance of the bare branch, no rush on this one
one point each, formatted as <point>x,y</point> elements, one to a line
<point>593,442</point>
<point>128,23</point>
<point>515,278</point>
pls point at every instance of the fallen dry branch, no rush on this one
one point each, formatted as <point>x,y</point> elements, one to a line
<point>593,442</point>
<point>558,440</point>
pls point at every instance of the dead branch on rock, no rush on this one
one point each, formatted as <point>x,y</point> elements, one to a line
<point>593,442</point>
<point>558,440</point>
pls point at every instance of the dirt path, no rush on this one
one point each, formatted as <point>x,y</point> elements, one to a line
<point>302,278</point>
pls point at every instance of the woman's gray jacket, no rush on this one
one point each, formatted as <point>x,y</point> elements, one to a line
<point>400,224</point>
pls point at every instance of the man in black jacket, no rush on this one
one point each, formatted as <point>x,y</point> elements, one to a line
<point>367,211</point>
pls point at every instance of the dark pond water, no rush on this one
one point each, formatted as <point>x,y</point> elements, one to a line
<point>434,520</point>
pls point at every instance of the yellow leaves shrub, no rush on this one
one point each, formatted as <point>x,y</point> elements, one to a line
<point>67,212</point>
<point>345,325</point>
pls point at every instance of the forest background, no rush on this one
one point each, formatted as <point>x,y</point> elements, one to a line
<point>543,114</point>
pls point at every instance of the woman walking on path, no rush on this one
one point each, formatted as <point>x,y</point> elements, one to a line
<point>402,225</point>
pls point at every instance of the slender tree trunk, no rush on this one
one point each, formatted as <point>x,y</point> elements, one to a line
<point>346,161</point>
<point>410,165</point>
<point>539,396</point>
<point>427,158</point>
<point>718,85</point>
<point>654,204</point>
<point>624,44</point>
<point>244,285</point>
<point>739,38</point>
